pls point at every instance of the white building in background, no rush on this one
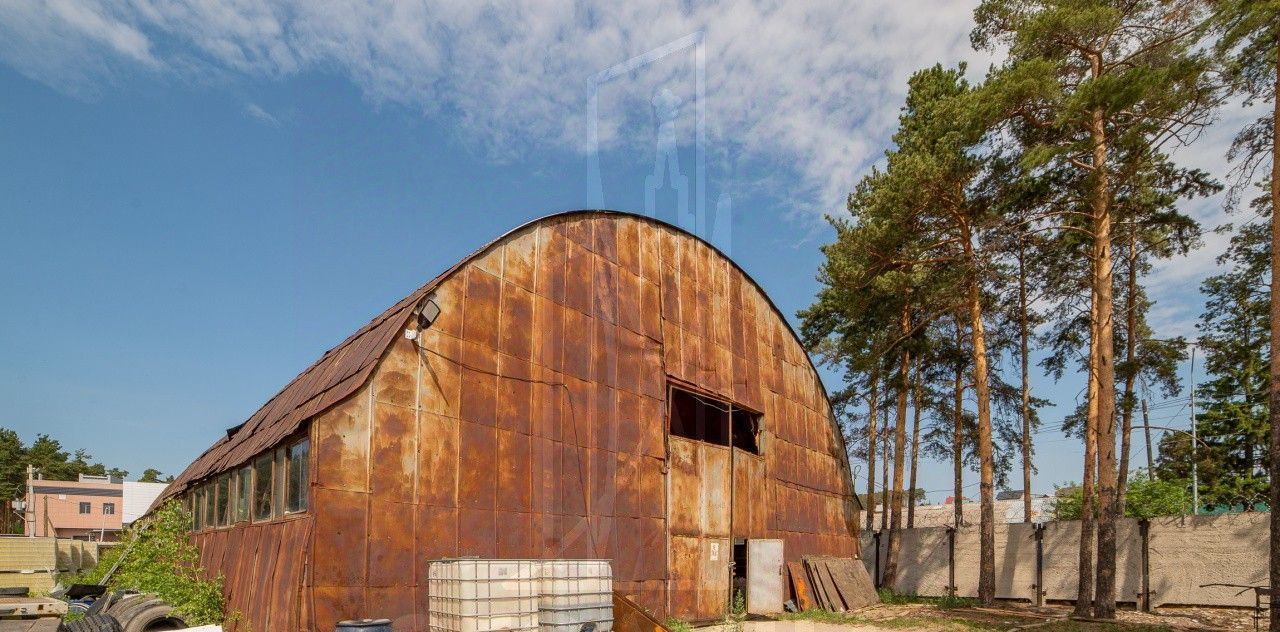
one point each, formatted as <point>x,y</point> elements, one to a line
<point>137,498</point>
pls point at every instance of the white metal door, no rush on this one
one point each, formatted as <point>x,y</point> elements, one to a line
<point>764,576</point>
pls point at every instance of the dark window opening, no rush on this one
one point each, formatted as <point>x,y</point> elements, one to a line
<point>703,418</point>
<point>699,418</point>
<point>739,568</point>
<point>85,508</point>
<point>746,430</point>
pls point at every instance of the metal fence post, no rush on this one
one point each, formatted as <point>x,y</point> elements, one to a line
<point>1039,585</point>
<point>1144,597</point>
<point>951,561</point>
<point>876,536</point>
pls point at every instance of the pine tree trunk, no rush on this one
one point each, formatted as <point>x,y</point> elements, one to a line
<point>899,454</point>
<point>1024,351</point>
<point>1274,413</point>
<point>915,446</point>
<point>871,452</point>
<point>1131,373</point>
<point>884,465</point>
<point>1103,363</point>
<point>957,439</point>
<point>986,454</point>
<point>1084,585</point>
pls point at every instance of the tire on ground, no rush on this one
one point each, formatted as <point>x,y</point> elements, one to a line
<point>147,613</point>
<point>92,623</point>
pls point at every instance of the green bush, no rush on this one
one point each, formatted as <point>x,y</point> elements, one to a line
<point>1144,498</point>
<point>160,559</point>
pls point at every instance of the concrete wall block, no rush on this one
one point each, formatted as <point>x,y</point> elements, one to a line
<point>1187,552</point>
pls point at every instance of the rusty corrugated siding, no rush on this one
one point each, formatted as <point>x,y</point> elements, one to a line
<point>264,570</point>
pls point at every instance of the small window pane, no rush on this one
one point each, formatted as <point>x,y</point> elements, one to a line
<point>244,488</point>
<point>108,509</point>
<point>298,464</point>
<point>197,503</point>
<point>262,484</point>
<point>85,508</point>
<point>206,502</point>
<point>278,508</point>
<point>222,510</point>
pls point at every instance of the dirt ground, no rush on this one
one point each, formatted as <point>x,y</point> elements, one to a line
<point>1006,618</point>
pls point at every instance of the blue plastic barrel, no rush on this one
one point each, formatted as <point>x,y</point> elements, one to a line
<point>364,625</point>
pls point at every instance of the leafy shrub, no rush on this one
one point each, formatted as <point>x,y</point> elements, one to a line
<point>1144,498</point>
<point>159,559</point>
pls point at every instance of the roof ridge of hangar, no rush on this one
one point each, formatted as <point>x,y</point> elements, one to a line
<point>346,367</point>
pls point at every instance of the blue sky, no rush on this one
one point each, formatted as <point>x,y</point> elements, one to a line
<point>198,200</point>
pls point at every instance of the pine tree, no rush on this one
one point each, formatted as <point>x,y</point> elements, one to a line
<point>1089,77</point>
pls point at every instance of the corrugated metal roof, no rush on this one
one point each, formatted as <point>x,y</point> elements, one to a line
<point>343,369</point>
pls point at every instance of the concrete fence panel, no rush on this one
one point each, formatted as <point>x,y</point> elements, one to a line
<point>26,554</point>
<point>1187,552</point>
<point>922,567</point>
<point>1184,554</point>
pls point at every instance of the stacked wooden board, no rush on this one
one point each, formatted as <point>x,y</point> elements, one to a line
<point>838,584</point>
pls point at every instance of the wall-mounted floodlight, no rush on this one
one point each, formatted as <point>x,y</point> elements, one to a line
<point>423,315</point>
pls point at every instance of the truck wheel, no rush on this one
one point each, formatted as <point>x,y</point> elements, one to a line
<point>152,615</point>
<point>92,623</point>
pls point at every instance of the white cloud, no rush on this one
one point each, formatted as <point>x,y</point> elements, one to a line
<point>255,111</point>
<point>807,88</point>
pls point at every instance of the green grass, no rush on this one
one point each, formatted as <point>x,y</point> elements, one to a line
<point>676,625</point>
<point>944,603</point>
<point>819,615</point>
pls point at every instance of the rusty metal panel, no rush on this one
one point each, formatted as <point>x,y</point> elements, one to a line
<point>604,430</point>
<point>391,535</point>
<point>686,487</point>
<point>436,530</point>
<point>477,533</point>
<point>630,301</point>
<point>477,451</point>
<point>515,395</point>
<point>481,308</point>
<point>514,484</point>
<point>515,535</point>
<point>551,261</point>
<point>717,481</point>
<point>514,323</point>
<point>579,270</point>
<point>604,354</point>
<point>336,603</point>
<point>686,558</point>
<point>628,485</point>
<point>548,327</point>
<point>519,259</point>
<point>577,348</point>
<point>437,460</point>
<point>396,380</point>
<point>395,453</point>
<point>440,383</point>
<point>716,578</point>
<point>627,238</point>
<point>748,471</point>
<point>341,525</point>
<point>605,290</point>
<point>342,445</point>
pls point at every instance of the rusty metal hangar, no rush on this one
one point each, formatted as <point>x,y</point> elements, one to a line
<point>593,384</point>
